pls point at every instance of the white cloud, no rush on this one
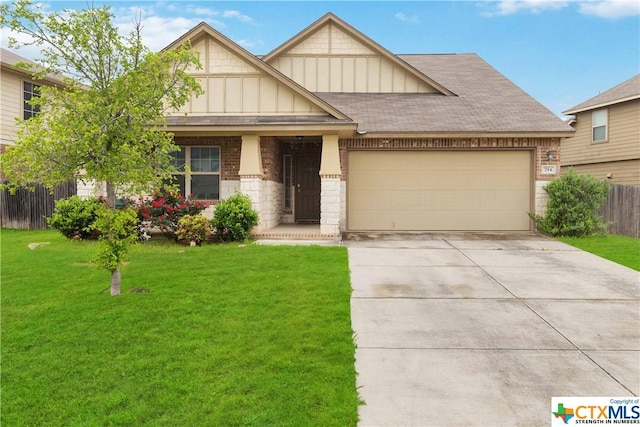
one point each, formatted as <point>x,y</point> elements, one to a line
<point>159,28</point>
<point>412,19</point>
<point>611,9</point>
<point>236,15</point>
<point>245,43</point>
<point>508,7</point>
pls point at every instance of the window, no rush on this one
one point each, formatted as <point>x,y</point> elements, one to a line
<point>599,126</point>
<point>203,178</point>
<point>287,182</point>
<point>30,90</point>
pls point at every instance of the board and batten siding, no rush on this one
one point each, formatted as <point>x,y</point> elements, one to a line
<point>234,86</point>
<point>623,142</point>
<point>331,60</point>
<point>11,101</point>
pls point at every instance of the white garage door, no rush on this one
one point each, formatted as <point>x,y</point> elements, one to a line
<point>439,190</point>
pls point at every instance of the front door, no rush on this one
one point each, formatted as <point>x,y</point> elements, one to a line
<point>307,189</point>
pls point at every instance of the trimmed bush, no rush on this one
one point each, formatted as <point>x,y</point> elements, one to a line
<point>193,228</point>
<point>234,218</point>
<point>574,200</point>
<point>164,209</point>
<point>75,217</point>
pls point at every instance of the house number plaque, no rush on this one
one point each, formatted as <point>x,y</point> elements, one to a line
<point>548,169</point>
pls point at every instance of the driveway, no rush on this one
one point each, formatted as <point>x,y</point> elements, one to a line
<point>483,329</point>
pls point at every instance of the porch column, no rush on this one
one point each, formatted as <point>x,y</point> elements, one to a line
<point>251,173</point>
<point>330,173</point>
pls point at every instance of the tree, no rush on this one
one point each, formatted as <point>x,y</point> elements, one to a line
<point>107,123</point>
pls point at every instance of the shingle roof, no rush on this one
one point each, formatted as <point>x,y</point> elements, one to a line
<point>486,101</point>
<point>625,91</point>
<point>9,60</point>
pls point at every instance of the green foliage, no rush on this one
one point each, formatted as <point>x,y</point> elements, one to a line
<point>118,231</point>
<point>234,218</point>
<point>164,209</point>
<point>227,336</point>
<point>75,217</point>
<point>193,228</point>
<point>107,123</point>
<point>574,200</point>
<point>624,250</point>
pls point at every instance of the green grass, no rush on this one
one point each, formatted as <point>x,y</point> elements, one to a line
<point>620,249</point>
<point>227,335</point>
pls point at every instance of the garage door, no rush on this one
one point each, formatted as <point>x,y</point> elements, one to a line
<point>439,190</point>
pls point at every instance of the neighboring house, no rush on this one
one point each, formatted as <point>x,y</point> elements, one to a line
<point>16,88</point>
<point>607,139</point>
<point>25,209</point>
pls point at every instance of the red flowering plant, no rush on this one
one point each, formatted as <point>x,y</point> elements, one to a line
<point>164,209</point>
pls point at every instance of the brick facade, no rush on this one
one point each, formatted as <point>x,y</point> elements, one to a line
<point>271,152</point>
<point>229,152</point>
<point>540,146</point>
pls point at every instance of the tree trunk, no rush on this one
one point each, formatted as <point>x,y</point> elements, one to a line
<point>115,282</point>
<point>111,196</point>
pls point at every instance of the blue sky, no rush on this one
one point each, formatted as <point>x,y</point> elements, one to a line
<point>560,52</point>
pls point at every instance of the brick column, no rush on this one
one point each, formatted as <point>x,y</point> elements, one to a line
<point>330,194</point>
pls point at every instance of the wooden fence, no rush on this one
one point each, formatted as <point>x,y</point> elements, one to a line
<point>622,210</point>
<point>28,209</point>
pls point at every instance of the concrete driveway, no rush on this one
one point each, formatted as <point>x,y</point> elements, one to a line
<point>483,330</point>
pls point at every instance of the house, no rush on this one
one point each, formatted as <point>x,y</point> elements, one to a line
<point>26,209</point>
<point>607,139</point>
<point>17,88</point>
<point>331,128</point>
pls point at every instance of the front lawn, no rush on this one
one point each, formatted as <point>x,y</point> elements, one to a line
<point>226,335</point>
<point>621,249</point>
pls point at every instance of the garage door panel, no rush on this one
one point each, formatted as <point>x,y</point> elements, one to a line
<point>439,190</point>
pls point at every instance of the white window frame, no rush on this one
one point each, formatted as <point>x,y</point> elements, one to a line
<point>187,160</point>
<point>29,110</point>
<point>600,119</point>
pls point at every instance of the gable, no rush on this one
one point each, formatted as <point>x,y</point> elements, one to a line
<point>232,85</point>
<point>330,56</point>
<point>235,82</point>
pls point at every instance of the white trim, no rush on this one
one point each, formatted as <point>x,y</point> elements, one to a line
<point>602,104</point>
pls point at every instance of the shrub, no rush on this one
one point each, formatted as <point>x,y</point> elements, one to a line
<point>193,228</point>
<point>234,218</point>
<point>573,204</point>
<point>118,231</point>
<point>76,217</point>
<point>165,208</point>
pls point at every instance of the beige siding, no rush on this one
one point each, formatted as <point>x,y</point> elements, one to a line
<point>439,190</point>
<point>330,60</point>
<point>234,86</point>
<point>623,141</point>
<point>625,172</point>
<point>11,102</point>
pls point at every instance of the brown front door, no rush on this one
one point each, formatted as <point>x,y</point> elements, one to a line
<point>308,189</point>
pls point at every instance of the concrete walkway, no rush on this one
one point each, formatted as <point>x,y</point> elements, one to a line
<point>483,330</point>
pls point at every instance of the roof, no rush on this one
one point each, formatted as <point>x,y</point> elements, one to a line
<point>9,60</point>
<point>486,102</point>
<point>625,91</point>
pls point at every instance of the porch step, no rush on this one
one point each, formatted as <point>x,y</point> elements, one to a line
<point>288,235</point>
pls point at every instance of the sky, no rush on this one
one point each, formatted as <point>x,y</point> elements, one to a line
<point>560,52</point>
